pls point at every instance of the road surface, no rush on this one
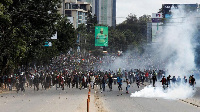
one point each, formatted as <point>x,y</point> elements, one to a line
<point>75,100</point>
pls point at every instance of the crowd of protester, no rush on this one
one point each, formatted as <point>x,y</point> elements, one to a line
<point>68,71</point>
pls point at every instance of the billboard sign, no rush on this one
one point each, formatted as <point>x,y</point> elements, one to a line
<point>156,20</point>
<point>157,15</point>
<point>101,36</point>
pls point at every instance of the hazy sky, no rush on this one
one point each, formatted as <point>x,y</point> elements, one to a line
<point>141,7</point>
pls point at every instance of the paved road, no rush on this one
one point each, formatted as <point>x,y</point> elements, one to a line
<point>52,100</point>
<point>115,101</point>
<point>74,100</point>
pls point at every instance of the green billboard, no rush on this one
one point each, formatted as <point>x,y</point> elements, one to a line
<point>101,36</point>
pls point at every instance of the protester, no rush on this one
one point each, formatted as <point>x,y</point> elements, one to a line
<point>154,80</point>
<point>168,80</point>
<point>164,81</point>
<point>192,81</point>
<point>119,81</point>
<point>110,81</point>
<point>174,80</point>
<point>128,85</point>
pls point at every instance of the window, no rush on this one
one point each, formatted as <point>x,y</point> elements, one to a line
<point>68,13</point>
<point>79,21</point>
<point>83,6</point>
<point>67,5</point>
<point>79,13</point>
<point>79,17</point>
<point>74,6</point>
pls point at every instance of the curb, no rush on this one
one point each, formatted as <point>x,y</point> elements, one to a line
<point>189,103</point>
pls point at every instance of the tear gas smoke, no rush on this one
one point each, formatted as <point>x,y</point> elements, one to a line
<point>175,92</point>
<point>177,47</point>
<point>174,53</point>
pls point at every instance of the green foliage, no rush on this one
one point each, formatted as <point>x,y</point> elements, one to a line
<point>24,27</point>
<point>66,35</point>
<point>135,30</point>
<point>130,34</point>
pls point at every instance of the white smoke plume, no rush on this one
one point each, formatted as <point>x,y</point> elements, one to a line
<point>174,53</point>
<point>177,48</point>
<point>177,43</point>
<point>175,92</point>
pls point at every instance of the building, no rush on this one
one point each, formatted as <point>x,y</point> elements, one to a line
<point>76,11</point>
<point>92,2</point>
<point>105,10</point>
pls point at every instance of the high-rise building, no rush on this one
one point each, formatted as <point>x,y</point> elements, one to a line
<point>105,10</point>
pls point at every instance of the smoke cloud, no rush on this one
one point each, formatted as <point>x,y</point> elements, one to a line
<point>175,92</point>
<point>174,53</point>
<point>177,49</point>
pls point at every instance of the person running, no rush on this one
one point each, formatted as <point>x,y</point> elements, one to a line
<point>128,85</point>
<point>168,80</point>
<point>154,80</point>
<point>164,81</point>
<point>192,81</point>
<point>110,81</point>
<point>185,79</point>
<point>119,81</point>
<point>138,81</point>
<point>103,83</point>
<point>62,82</point>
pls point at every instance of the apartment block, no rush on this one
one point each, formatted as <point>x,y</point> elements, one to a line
<point>76,11</point>
<point>105,10</point>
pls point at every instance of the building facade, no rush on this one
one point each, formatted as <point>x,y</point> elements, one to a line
<point>76,11</point>
<point>105,10</point>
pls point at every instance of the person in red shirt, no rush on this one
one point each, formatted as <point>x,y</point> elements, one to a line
<point>146,76</point>
<point>164,81</point>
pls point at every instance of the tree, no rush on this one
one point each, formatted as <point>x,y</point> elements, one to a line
<point>135,30</point>
<point>87,32</point>
<point>27,24</point>
<point>67,35</point>
<point>117,40</point>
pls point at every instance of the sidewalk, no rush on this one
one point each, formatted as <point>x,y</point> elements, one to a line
<point>195,100</point>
